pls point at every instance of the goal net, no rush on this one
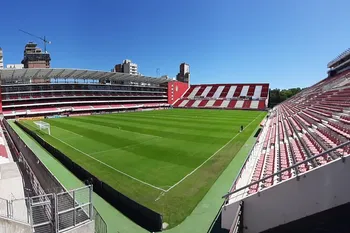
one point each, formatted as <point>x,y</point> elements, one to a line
<point>43,126</point>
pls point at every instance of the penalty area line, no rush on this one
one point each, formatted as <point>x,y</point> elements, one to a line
<point>123,173</point>
<point>211,156</point>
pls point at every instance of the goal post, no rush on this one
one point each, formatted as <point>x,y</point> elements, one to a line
<point>42,125</point>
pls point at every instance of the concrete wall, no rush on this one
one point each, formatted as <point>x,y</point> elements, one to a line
<point>85,228</point>
<point>317,190</point>
<point>176,90</point>
<point>10,226</point>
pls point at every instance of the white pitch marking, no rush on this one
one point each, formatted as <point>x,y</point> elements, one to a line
<point>210,157</point>
<point>160,195</point>
<point>143,182</point>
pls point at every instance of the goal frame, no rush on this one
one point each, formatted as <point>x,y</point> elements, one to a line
<point>43,125</point>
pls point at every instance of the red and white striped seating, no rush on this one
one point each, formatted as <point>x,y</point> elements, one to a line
<point>225,96</point>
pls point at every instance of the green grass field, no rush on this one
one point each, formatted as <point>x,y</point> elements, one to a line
<point>166,160</point>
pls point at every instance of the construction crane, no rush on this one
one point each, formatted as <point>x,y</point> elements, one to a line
<point>41,38</point>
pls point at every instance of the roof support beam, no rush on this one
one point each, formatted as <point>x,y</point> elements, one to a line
<point>47,74</point>
<point>81,74</point>
<point>69,75</point>
<point>13,73</point>
<point>108,76</point>
<point>25,72</point>
<point>36,73</point>
<point>100,75</point>
<point>59,74</point>
<point>91,75</point>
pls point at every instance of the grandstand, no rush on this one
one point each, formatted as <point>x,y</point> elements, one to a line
<point>35,92</point>
<point>305,139</point>
<point>32,92</point>
<point>226,96</point>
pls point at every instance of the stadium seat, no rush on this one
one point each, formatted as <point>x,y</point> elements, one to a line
<point>203,103</point>
<point>217,103</point>
<point>58,98</point>
<point>226,96</point>
<point>309,123</point>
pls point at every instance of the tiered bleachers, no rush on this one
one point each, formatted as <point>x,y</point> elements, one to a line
<point>49,91</point>
<point>345,119</point>
<point>49,98</point>
<point>311,122</point>
<point>225,96</point>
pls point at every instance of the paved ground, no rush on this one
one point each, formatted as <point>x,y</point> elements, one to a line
<point>198,222</point>
<point>11,187</point>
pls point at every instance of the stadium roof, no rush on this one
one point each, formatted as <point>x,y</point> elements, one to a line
<point>50,73</point>
<point>337,59</point>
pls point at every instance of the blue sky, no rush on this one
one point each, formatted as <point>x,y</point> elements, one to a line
<point>285,43</point>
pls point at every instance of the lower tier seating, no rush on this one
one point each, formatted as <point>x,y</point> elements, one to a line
<point>95,107</point>
<point>225,96</point>
<point>221,104</point>
<point>300,128</point>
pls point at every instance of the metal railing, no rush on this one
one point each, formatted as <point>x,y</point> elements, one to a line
<point>42,212</point>
<point>243,168</point>
<point>237,226</point>
<point>73,208</point>
<point>39,209</point>
<point>100,224</point>
<point>16,209</point>
<point>4,208</point>
<point>295,166</point>
<point>339,57</point>
<point>54,213</point>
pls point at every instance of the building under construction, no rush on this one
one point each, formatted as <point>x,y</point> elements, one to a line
<point>1,59</point>
<point>34,57</point>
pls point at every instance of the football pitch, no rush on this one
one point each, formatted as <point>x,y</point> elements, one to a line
<point>166,160</point>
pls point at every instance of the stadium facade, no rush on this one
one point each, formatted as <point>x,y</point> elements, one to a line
<point>37,91</point>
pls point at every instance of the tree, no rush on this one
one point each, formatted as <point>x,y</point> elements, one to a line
<point>277,96</point>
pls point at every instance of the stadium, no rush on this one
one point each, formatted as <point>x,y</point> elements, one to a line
<point>96,151</point>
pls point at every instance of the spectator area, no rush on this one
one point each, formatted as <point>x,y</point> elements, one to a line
<point>311,122</point>
<point>225,96</point>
